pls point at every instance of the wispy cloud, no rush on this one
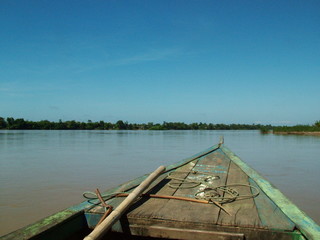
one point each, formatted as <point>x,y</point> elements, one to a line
<point>149,55</point>
<point>22,88</point>
<point>73,63</point>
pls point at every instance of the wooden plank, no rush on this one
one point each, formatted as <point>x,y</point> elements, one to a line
<point>128,186</point>
<point>212,164</point>
<point>151,208</point>
<point>270,214</point>
<point>194,157</point>
<point>303,222</point>
<point>249,233</point>
<point>180,233</point>
<point>244,212</point>
<point>116,201</point>
<point>115,215</point>
<point>156,186</point>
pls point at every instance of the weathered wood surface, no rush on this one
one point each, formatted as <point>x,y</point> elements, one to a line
<point>194,212</point>
<point>182,233</point>
<point>244,212</point>
<point>71,220</point>
<point>130,185</point>
<point>153,208</point>
<point>270,215</point>
<point>107,223</point>
<point>256,217</point>
<point>141,227</point>
<point>157,184</point>
<point>304,223</point>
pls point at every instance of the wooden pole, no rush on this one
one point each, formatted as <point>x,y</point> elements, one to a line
<point>103,228</point>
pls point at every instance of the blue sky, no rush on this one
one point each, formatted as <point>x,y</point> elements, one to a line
<point>154,61</point>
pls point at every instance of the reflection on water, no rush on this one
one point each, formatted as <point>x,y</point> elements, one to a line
<point>42,172</point>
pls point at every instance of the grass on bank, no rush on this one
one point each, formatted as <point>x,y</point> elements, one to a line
<point>292,129</point>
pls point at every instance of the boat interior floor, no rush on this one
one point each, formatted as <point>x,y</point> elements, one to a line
<point>237,208</point>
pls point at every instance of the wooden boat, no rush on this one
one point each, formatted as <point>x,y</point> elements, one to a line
<point>234,202</point>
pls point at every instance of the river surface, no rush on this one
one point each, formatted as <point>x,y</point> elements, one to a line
<point>42,172</point>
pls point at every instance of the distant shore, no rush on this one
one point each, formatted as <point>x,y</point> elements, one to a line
<point>298,133</point>
<point>10,123</point>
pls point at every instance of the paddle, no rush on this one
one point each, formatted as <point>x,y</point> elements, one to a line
<point>107,223</point>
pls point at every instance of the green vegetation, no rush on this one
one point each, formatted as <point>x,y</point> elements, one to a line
<point>265,129</point>
<point>20,123</point>
<point>298,128</point>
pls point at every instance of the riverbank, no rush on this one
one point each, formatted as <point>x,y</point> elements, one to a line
<point>298,133</point>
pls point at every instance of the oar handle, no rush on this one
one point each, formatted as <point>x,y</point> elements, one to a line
<point>103,227</point>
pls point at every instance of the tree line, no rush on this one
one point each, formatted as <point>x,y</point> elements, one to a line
<point>20,123</point>
<point>297,128</point>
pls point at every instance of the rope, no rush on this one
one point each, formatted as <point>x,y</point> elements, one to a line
<point>93,196</point>
<point>107,207</point>
<point>221,194</point>
<point>217,194</point>
<point>178,198</point>
<point>184,183</point>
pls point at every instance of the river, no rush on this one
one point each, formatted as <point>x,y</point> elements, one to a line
<point>42,172</point>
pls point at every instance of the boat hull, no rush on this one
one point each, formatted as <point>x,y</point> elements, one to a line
<point>268,215</point>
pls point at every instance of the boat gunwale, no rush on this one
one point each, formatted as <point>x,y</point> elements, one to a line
<point>304,223</point>
<point>307,226</point>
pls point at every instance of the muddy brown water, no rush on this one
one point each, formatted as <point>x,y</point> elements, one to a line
<point>42,172</point>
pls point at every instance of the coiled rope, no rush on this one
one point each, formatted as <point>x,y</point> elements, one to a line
<point>216,195</point>
<point>220,194</point>
<point>225,194</point>
<point>184,183</point>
